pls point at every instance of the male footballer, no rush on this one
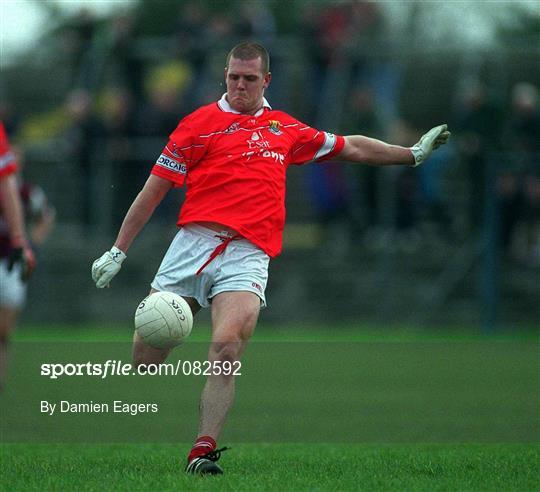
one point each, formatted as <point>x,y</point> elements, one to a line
<point>16,255</point>
<point>232,156</point>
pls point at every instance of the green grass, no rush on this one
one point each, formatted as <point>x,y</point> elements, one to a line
<point>281,467</point>
<point>347,410</point>
<point>343,333</point>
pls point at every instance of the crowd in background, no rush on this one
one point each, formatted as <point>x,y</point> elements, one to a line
<point>126,92</point>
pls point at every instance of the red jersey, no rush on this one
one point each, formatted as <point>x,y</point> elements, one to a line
<point>8,164</point>
<point>234,167</point>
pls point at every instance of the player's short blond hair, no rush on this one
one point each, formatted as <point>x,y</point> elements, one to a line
<point>250,51</point>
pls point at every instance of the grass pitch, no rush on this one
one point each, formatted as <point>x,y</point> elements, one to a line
<point>283,467</point>
<point>314,411</point>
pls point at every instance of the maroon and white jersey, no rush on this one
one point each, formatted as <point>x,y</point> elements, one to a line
<point>35,206</point>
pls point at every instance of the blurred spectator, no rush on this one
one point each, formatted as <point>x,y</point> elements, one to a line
<point>341,40</point>
<point>220,29</point>
<point>190,33</point>
<point>478,129</point>
<point>127,66</point>
<point>531,192</point>
<point>523,131</point>
<point>362,118</point>
<point>519,190</point>
<point>159,116</point>
<point>434,205</point>
<point>407,200</point>
<point>166,87</point>
<point>256,21</point>
<point>9,117</point>
<point>367,21</point>
<point>324,31</point>
<point>510,204</point>
<point>332,32</point>
<point>120,125</point>
<point>405,182</point>
<point>118,113</point>
<point>329,192</point>
<point>365,30</point>
<point>84,138</point>
<point>77,38</point>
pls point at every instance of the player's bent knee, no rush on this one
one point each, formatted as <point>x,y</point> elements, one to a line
<point>229,351</point>
<point>225,353</point>
<point>143,354</point>
<point>225,356</point>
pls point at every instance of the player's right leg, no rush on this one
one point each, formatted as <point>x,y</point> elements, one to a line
<point>143,353</point>
<point>234,316</point>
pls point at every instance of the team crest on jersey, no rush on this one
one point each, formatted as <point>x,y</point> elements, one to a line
<point>233,128</point>
<point>274,127</point>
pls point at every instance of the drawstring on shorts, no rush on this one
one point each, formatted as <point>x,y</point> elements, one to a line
<point>220,248</point>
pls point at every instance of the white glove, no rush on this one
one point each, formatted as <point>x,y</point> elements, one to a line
<point>105,268</point>
<point>429,142</point>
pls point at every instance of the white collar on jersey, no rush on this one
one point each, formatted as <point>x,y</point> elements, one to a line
<point>225,106</point>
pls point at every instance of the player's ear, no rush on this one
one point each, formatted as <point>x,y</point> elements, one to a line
<point>267,79</point>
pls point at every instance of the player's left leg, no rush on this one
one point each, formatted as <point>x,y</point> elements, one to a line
<point>8,319</point>
<point>234,316</point>
<point>175,274</point>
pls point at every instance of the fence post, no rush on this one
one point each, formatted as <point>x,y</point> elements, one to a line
<point>490,283</point>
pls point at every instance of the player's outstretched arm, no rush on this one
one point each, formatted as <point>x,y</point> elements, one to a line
<point>375,152</point>
<point>108,265</point>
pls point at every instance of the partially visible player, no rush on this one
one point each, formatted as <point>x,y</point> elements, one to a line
<point>11,208</point>
<point>16,256</point>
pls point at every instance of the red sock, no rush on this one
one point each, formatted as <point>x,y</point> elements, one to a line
<point>203,445</point>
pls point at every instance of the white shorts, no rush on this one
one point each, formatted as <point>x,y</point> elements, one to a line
<point>242,266</point>
<point>12,288</point>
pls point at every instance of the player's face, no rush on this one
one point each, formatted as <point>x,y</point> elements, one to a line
<point>246,83</point>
